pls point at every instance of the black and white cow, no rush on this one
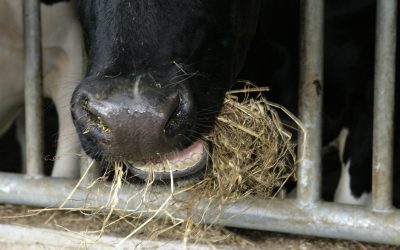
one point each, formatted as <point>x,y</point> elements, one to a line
<point>349,43</point>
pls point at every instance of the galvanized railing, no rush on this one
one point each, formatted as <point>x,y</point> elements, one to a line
<point>33,89</point>
<point>307,214</point>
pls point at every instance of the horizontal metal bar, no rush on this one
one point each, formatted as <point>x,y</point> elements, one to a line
<point>33,88</point>
<point>385,70</point>
<point>28,237</point>
<point>310,100</point>
<point>321,219</point>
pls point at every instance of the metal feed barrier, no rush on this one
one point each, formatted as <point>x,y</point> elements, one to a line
<point>306,214</point>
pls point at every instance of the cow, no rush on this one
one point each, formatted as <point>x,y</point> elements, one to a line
<point>157,72</point>
<point>62,45</point>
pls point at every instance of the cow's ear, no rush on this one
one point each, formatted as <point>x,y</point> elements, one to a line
<point>49,2</point>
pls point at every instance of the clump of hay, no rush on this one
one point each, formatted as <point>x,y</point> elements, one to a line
<point>253,156</point>
<point>253,153</point>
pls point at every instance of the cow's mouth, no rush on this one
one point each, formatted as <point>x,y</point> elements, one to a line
<point>183,163</point>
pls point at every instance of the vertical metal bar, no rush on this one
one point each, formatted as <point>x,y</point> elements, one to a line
<point>33,88</point>
<point>382,173</point>
<point>310,100</point>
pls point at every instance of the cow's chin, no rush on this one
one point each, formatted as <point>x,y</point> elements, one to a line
<point>183,163</point>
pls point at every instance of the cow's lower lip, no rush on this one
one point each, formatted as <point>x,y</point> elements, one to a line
<point>182,163</point>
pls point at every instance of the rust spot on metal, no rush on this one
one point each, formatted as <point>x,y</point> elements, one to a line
<point>318,86</point>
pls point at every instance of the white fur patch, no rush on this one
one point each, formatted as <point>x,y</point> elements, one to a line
<point>343,192</point>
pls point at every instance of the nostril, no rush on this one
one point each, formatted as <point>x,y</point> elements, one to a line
<point>173,123</point>
<point>93,118</point>
<point>180,119</point>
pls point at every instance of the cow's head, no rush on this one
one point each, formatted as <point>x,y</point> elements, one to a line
<point>157,71</point>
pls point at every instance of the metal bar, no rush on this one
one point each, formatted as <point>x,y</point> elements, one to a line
<point>33,88</point>
<point>322,219</point>
<point>310,100</point>
<point>385,68</point>
<point>36,238</point>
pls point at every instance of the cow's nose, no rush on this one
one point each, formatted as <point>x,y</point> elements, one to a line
<point>121,114</point>
<point>131,123</point>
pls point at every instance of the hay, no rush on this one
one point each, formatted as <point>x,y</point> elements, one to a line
<point>252,156</point>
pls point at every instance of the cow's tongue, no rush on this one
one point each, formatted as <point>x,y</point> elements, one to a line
<point>182,163</point>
